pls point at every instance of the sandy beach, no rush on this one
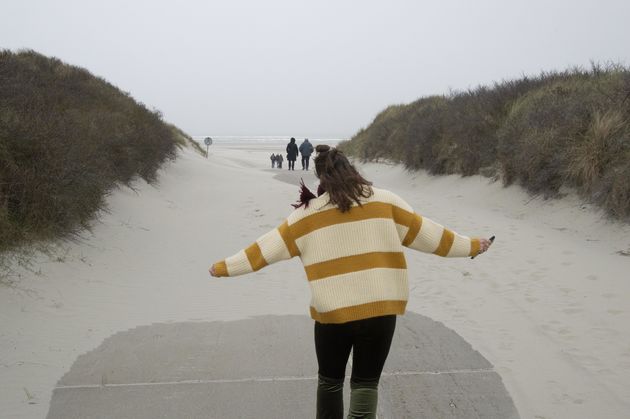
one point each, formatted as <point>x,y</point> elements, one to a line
<point>548,305</point>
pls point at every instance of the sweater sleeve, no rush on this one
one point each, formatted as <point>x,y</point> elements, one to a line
<point>430,237</point>
<point>274,246</point>
<point>425,235</point>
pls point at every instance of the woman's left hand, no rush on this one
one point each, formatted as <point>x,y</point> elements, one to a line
<point>212,271</point>
<point>484,245</point>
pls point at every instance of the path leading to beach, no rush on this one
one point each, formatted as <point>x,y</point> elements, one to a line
<point>548,306</point>
<point>265,368</point>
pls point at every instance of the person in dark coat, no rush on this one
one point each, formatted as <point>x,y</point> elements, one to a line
<point>306,149</point>
<point>279,160</point>
<point>273,160</point>
<point>292,152</point>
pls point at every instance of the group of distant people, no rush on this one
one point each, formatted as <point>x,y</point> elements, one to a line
<point>305,150</point>
<point>276,161</point>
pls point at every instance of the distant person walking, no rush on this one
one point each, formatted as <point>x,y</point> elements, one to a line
<point>350,239</point>
<point>292,152</point>
<point>306,149</point>
<point>279,160</point>
<point>273,160</point>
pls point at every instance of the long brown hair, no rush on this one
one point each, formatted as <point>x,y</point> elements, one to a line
<point>339,178</point>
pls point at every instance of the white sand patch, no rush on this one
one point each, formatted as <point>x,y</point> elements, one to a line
<point>548,305</point>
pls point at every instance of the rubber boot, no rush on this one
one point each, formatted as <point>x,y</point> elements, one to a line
<point>363,400</point>
<point>329,398</point>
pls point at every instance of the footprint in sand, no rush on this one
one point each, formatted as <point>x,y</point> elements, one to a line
<point>592,277</point>
<point>615,311</point>
<point>255,214</point>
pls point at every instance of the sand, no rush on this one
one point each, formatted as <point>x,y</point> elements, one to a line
<point>548,305</point>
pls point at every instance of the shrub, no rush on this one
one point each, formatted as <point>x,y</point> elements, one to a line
<point>66,138</point>
<point>559,128</point>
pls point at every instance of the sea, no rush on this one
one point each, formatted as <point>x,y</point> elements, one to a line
<point>266,142</point>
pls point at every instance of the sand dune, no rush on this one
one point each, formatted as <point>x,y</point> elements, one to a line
<point>548,305</point>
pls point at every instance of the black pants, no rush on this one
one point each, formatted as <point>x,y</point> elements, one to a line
<point>291,164</point>
<point>305,160</point>
<point>370,340</point>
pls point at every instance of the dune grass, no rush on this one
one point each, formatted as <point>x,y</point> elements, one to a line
<point>184,140</point>
<point>554,130</point>
<point>66,139</point>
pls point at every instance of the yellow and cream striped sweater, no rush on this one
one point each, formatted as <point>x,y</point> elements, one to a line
<point>354,261</point>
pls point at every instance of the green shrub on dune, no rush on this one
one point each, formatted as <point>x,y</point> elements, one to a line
<point>559,129</point>
<point>66,138</point>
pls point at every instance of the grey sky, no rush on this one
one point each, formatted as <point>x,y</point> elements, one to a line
<point>316,68</point>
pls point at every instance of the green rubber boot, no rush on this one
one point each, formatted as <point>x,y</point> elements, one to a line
<point>363,401</point>
<point>329,398</point>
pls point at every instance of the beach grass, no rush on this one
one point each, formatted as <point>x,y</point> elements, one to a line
<point>67,138</point>
<point>546,132</point>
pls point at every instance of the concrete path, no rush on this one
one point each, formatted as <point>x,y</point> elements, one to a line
<point>265,368</point>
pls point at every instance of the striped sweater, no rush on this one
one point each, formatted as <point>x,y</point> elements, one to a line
<point>354,261</point>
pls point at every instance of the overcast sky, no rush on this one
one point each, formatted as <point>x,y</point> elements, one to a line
<point>310,68</point>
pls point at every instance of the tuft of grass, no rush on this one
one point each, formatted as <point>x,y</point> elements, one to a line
<point>598,147</point>
<point>184,140</point>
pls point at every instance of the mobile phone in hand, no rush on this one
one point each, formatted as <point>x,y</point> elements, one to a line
<point>491,241</point>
